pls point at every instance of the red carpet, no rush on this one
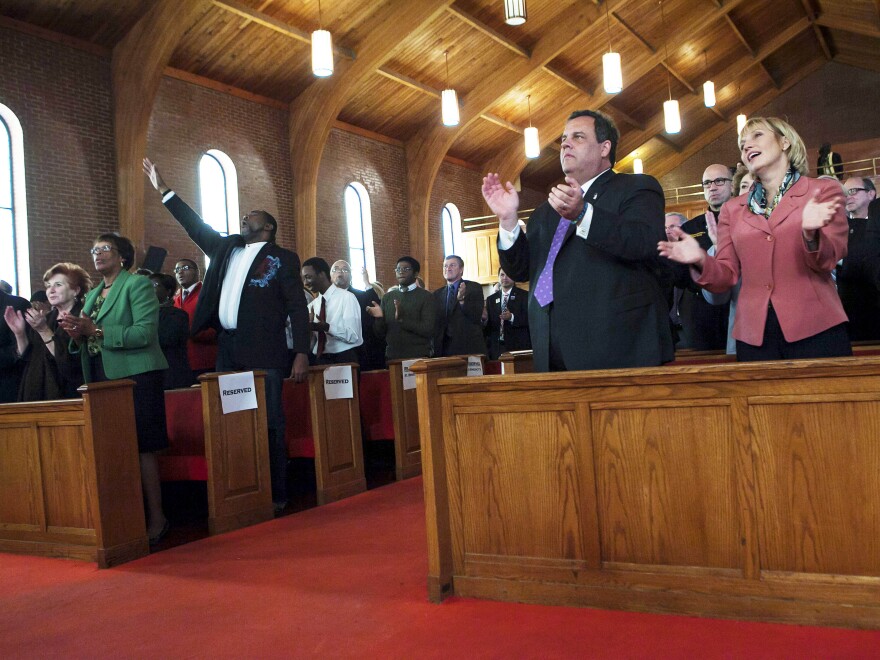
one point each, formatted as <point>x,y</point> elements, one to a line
<point>344,580</point>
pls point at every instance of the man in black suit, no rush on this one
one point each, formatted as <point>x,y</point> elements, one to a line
<point>704,326</point>
<point>10,365</point>
<point>507,322</point>
<point>590,256</point>
<point>250,289</point>
<point>458,328</point>
<point>371,354</point>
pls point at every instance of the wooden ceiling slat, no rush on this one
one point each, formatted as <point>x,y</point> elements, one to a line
<point>489,32</point>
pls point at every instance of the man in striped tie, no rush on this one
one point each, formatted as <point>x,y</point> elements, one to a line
<point>596,301</point>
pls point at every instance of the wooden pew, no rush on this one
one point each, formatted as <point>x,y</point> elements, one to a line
<point>405,413</point>
<point>237,455</point>
<point>70,482</point>
<point>745,490</point>
<point>339,454</point>
<point>516,362</point>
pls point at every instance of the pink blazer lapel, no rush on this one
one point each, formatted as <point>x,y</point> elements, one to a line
<point>791,201</point>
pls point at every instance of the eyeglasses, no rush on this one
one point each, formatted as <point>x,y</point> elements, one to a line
<point>852,191</point>
<point>340,270</point>
<point>180,269</point>
<point>403,269</point>
<point>99,249</point>
<point>720,181</point>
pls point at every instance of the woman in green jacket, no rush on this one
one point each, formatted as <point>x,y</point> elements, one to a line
<point>117,336</point>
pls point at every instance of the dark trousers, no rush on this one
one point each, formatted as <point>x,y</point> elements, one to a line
<point>343,357</point>
<point>833,342</point>
<point>274,412</point>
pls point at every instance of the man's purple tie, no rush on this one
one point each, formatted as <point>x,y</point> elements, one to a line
<point>544,288</point>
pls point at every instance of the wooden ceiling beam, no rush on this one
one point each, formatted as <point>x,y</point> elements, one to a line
<point>738,34</point>
<point>258,17</point>
<point>314,111</point>
<point>680,78</point>
<point>632,121</point>
<point>137,64</point>
<point>677,148</point>
<point>426,150</point>
<point>574,84</point>
<point>817,30</point>
<point>632,32</point>
<point>489,32</point>
<point>408,82</point>
<point>844,25</point>
<point>500,121</point>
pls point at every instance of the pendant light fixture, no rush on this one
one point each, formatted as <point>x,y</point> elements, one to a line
<point>638,167</point>
<point>671,114</point>
<point>612,74</point>
<point>515,12</point>
<point>449,101</point>
<point>322,49</point>
<point>533,144</point>
<point>708,86</point>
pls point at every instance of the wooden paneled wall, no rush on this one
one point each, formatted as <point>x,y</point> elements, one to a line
<point>735,490</point>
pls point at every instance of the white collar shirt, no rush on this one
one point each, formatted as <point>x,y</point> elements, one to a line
<point>343,314</point>
<point>240,261</point>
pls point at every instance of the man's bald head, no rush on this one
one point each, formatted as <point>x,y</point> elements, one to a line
<point>340,274</point>
<point>717,185</point>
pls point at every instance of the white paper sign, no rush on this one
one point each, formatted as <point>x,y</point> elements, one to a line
<point>337,383</point>
<point>409,378</point>
<point>475,365</point>
<point>237,392</point>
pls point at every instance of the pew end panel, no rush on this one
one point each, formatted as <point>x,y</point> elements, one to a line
<point>405,411</point>
<point>237,453</point>
<point>732,490</point>
<point>70,477</point>
<point>516,362</point>
<point>339,452</point>
<point>434,427</point>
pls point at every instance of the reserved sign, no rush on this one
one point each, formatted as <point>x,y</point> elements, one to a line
<point>409,378</point>
<point>237,392</point>
<point>475,365</point>
<point>337,382</point>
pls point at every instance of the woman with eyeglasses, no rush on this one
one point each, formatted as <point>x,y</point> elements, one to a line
<point>784,238</point>
<point>117,336</point>
<point>50,371</point>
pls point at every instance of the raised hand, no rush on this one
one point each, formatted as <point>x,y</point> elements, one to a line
<point>712,227</point>
<point>502,199</point>
<point>36,318</point>
<point>375,310</point>
<point>682,248</point>
<point>153,175</point>
<point>462,292</point>
<point>567,199</point>
<point>817,214</point>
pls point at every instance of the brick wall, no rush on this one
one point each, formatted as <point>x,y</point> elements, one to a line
<point>187,121</point>
<point>62,98</point>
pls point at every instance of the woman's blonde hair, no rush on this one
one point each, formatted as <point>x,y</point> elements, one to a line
<point>796,152</point>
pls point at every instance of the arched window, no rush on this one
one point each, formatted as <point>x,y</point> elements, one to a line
<point>218,192</point>
<point>360,232</point>
<point>451,219</point>
<point>14,258</point>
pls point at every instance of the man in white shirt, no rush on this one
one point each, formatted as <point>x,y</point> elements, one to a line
<point>334,316</point>
<point>591,257</point>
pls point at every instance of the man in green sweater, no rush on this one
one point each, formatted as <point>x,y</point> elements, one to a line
<point>405,318</point>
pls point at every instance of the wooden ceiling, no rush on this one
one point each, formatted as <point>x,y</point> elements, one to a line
<point>752,49</point>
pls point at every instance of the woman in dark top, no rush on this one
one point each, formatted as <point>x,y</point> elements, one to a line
<point>117,336</point>
<point>50,371</point>
<point>173,333</point>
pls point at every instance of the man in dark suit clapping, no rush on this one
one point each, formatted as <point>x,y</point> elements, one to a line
<point>507,322</point>
<point>590,257</point>
<point>459,313</point>
<point>250,290</point>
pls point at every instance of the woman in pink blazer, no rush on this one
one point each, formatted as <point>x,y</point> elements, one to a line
<point>784,238</point>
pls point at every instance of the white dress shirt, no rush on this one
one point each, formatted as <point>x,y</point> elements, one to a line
<point>506,239</point>
<point>343,314</point>
<point>240,261</point>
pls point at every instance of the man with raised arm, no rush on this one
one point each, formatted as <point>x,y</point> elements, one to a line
<point>251,288</point>
<point>590,257</point>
